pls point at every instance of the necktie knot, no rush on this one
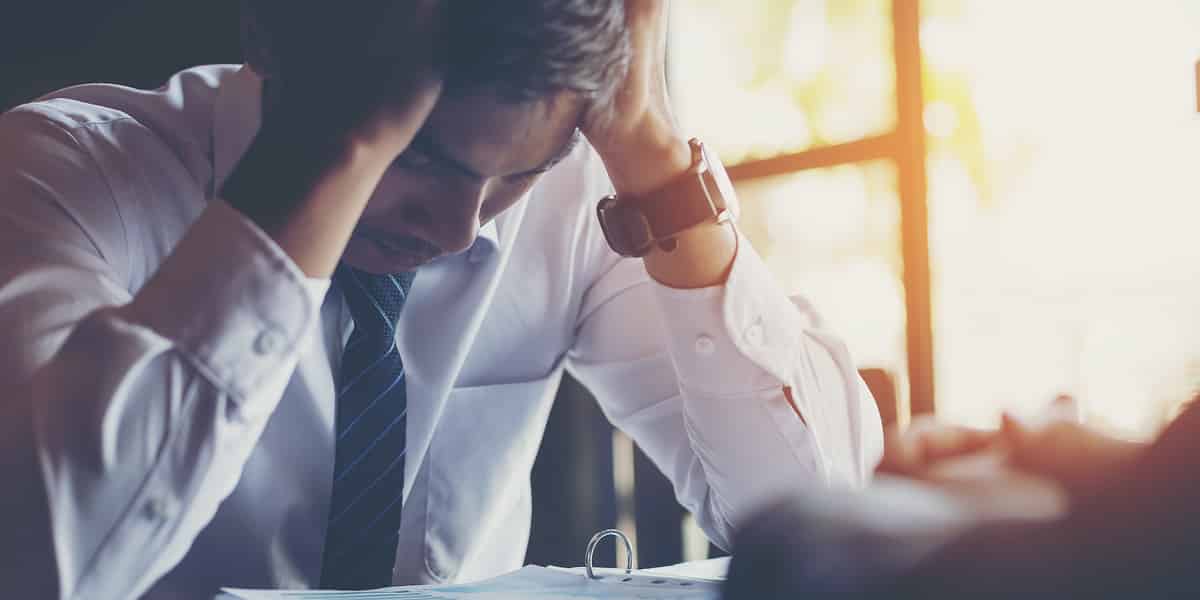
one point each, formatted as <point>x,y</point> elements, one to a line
<point>375,301</point>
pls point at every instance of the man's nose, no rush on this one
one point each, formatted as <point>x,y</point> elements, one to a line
<point>452,220</point>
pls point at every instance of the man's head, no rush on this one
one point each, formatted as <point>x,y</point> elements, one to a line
<point>520,75</point>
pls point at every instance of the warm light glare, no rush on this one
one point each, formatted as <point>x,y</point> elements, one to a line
<point>807,41</point>
<point>1062,220</point>
<point>776,76</point>
<point>1063,188</point>
<point>941,119</point>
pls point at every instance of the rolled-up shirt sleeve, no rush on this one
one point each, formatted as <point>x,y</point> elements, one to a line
<point>138,405</point>
<point>739,393</point>
<point>748,339</point>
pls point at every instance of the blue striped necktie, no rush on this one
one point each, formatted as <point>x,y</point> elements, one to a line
<point>368,476</point>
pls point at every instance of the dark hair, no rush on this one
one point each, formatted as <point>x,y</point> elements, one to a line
<point>531,48</point>
<point>525,49</point>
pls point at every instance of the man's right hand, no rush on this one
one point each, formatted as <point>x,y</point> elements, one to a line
<point>374,83</point>
<point>334,121</point>
<point>400,79</point>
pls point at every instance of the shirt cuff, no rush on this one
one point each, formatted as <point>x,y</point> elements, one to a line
<point>735,337</point>
<point>231,300</point>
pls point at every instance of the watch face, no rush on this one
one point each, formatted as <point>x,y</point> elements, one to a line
<point>625,229</point>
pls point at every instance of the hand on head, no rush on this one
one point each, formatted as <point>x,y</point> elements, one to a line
<point>370,75</point>
<point>634,130</point>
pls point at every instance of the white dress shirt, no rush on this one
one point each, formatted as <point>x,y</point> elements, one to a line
<point>168,402</point>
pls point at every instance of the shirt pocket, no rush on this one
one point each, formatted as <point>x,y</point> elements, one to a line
<point>480,460</point>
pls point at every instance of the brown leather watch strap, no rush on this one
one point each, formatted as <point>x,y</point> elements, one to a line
<point>678,206</point>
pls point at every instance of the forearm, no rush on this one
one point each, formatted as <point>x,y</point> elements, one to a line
<point>127,497</point>
<point>735,391</point>
<point>307,193</point>
<point>701,258</point>
<point>702,255</point>
<point>142,410</point>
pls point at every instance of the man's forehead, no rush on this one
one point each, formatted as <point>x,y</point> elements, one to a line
<point>498,136</point>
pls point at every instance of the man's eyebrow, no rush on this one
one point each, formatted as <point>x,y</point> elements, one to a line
<point>425,144</point>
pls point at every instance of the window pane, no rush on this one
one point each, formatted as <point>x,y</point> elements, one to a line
<point>1064,198</point>
<point>832,235</point>
<point>760,78</point>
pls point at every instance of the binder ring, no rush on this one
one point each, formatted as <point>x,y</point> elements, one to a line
<point>591,550</point>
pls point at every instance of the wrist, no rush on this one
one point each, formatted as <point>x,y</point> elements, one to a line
<point>702,258</point>
<point>647,162</point>
<point>676,217</point>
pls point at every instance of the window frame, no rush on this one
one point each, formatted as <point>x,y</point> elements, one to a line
<point>904,146</point>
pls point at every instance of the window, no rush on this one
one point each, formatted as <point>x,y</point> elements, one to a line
<point>808,113</point>
<point>1050,162</point>
<point>809,116</point>
<point>1064,197</point>
<point>792,74</point>
<point>833,235</point>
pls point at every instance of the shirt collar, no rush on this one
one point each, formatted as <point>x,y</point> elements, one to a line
<point>237,116</point>
<point>485,243</point>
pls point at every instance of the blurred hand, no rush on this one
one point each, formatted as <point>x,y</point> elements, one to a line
<point>1073,455</point>
<point>914,450</point>
<point>1079,458</point>
<point>972,465</point>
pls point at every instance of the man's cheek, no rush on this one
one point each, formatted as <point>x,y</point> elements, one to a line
<point>502,201</point>
<point>392,193</point>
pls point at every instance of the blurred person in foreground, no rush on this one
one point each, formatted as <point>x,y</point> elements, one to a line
<point>299,323</point>
<point>959,512</point>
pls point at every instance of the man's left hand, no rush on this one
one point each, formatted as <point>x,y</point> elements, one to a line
<point>636,133</point>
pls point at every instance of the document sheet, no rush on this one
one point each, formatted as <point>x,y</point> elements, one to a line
<point>531,582</point>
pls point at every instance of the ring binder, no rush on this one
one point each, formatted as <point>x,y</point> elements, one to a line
<point>591,550</point>
<point>701,581</point>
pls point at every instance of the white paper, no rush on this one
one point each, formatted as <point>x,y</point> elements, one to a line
<point>713,569</point>
<point>530,582</point>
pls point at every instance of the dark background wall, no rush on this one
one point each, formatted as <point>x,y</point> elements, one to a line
<point>51,44</point>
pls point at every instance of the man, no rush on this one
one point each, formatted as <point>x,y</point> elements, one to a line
<point>299,324</point>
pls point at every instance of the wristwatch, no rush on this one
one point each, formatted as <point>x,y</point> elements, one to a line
<point>703,194</point>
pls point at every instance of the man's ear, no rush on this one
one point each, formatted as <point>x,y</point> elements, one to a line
<point>258,44</point>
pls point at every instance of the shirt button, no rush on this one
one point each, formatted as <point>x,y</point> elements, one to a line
<point>705,345</point>
<point>155,509</point>
<point>269,341</point>
<point>754,334</point>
